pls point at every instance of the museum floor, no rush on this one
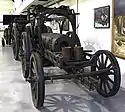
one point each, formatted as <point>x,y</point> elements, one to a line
<point>62,96</point>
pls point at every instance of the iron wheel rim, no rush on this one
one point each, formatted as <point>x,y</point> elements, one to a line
<point>23,57</point>
<point>108,83</point>
<point>34,82</point>
<point>14,46</point>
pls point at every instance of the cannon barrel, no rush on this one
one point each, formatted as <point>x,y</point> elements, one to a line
<point>55,42</point>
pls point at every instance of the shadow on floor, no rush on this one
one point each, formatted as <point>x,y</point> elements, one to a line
<point>68,103</point>
<point>71,103</point>
<point>111,104</point>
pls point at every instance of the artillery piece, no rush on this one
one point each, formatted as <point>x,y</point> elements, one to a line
<point>16,27</point>
<point>41,48</point>
<point>7,35</point>
<point>7,31</point>
<point>30,36</point>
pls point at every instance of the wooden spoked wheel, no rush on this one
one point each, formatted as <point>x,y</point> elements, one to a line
<point>37,80</point>
<point>15,44</point>
<point>108,83</point>
<point>25,54</point>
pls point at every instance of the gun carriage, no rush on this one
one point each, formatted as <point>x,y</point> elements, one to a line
<point>7,33</point>
<point>43,48</point>
<point>16,24</point>
<point>7,36</point>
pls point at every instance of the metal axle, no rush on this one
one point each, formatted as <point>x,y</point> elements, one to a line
<point>69,76</point>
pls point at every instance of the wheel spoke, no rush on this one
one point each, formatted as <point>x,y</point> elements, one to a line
<point>108,85</point>
<point>101,84</point>
<point>109,66</point>
<point>111,80</point>
<point>36,91</point>
<point>102,59</point>
<point>111,72</point>
<point>105,89</point>
<point>33,70</point>
<point>98,60</point>
<point>34,86</point>
<point>97,67</point>
<point>34,66</point>
<point>106,60</point>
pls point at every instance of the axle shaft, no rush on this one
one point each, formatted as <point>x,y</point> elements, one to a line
<point>85,74</point>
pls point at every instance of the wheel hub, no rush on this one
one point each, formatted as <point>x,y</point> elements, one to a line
<point>104,77</point>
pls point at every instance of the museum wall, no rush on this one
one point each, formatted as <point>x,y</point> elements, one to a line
<point>90,37</point>
<point>101,38</point>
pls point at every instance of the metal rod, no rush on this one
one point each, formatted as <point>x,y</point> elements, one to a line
<point>50,3</point>
<point>77,15</point>
<point>69,76</point>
